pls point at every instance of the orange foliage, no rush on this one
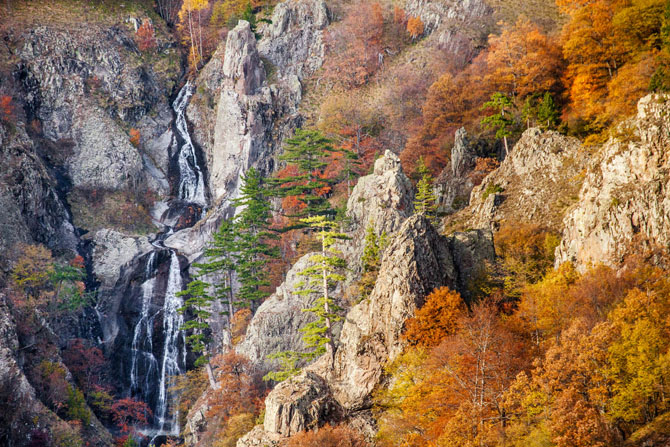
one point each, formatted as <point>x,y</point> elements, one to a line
<point>240,391</point>
<point>6,108</point>
<point>415,27</point>
<point>328,436</point>
<point>134,137</point>
<point>239,324</point>
<point>523,61</point>
<point>436,319</point>
<point>355,46</point>
<point>145,36</point>
<point>483,167</point>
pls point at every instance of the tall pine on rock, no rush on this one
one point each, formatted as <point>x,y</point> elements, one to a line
<point>198,306</point>
<point>221,258</point>
<point>307,151</point>
<point>322,276</point>
<point>425,202</point>
<point>252,229</point>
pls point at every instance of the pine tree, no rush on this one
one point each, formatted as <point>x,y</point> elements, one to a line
<point>252,231</point>
<point>374,246</point>
<point>425,202</point>
<point>307,151</point>
<point>322,276</point>
<point>502,121</point>
<point>221,255</point>
<point>198,306</point>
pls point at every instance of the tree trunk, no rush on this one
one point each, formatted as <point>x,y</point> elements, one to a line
<point>330,348</point>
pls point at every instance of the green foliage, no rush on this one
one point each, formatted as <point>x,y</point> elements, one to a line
<point>76,406</point>
<point>543,111</point>
<point>424,201</point>
<point>253,234</point>
<point>197,307</point>
<point>371,260</point>
<point>492,188</point>
<point>307,153</point>
<point>288,365</point>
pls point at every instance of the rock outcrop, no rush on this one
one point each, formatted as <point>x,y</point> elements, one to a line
<point>24,415</point>
<point>460,27</point>
<point>454,184</point>
<point>82,84</point>
<point>417,260</point>
<point>32,211</point>
<point>275,327</point>
<point>624,202</point>
<point>536,183</point>
<point>253,115</point>
<point>383,200</point>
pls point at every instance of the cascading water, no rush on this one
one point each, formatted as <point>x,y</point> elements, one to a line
<point>156,358</point>
<point>173,320</point>
<point>143,359</point>
<point>191,180</point>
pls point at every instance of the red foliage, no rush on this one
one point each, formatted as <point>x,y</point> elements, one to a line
<point>7,108</point>
<point>355,46</point>
<point>240,390</point>
<point>134,137</point>
<point>145,36</point>
<point>85,363</point>
<point>128,411</point>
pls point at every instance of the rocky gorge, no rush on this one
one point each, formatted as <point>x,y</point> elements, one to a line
<point>142,212</point>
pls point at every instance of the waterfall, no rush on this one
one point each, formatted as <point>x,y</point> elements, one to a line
<point>143,359</point>
<point>191,179</point>
<point>172,352</point>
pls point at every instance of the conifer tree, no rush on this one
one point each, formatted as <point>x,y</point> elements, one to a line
<point>307,151</point>
<point>198,306</point>
<point>371,260</point>
<point>221,256</point>
<point>252,231</point>
<point>425,202</point>
<point>502,121</point>
<point>322,276</point>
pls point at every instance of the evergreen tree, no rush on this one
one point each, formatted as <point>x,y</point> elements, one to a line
<point>322,276</point>
<point>252,230</point>
<point>425,202</point>
<point>307,151</point>
<point>198,306</point>
<point>222,258</point>
<point>374,246</point>
<point>502,121</point>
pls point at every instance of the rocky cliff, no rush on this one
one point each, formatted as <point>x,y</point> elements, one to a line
<point>536,183</point>
<point>417,260</point>
<point>624,202</point>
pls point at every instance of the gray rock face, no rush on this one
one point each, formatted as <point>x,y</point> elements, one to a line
<point>293,42</point>
<point>103,156</point>
<point>32,211</point>
<point>417,261</point>
<point>242,64</point>
<point>276,324</point>
<point>252,118</point>
<point>535,183</point>
<point>383,199</point>
<point>81,83</point>
<point>624,202</point>
<point>459,26</point>
<point>112,250</point>
<point>300,403</point>
<point>453,186</point>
